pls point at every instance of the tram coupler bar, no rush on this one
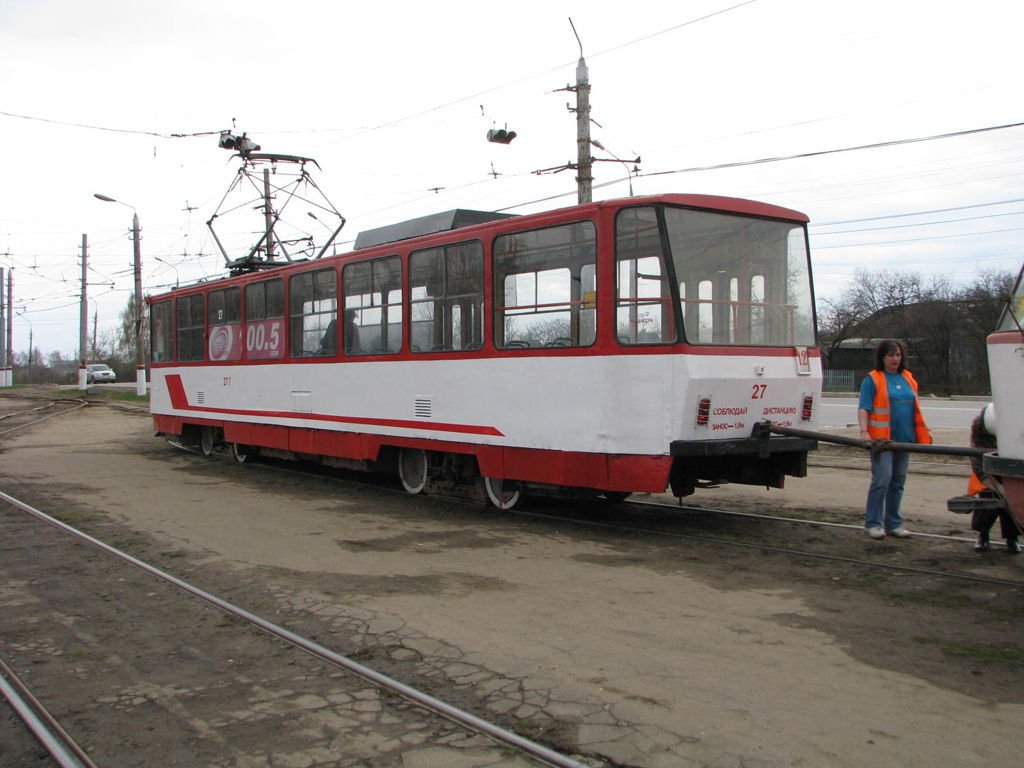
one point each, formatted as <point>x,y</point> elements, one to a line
<point>877,446</point>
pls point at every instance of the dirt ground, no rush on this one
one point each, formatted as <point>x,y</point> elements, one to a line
<point>645,650</point>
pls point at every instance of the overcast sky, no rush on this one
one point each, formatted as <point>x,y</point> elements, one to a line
<point>125,97</point>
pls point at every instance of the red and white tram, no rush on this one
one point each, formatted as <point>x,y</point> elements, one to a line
<point>607,348</point>
<point>1005,418</point>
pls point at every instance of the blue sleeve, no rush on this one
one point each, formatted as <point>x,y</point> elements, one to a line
<point>867,395</point>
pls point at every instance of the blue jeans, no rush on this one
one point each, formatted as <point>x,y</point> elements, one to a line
<point>888,476</point>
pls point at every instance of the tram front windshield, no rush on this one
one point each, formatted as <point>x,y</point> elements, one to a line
<point>734,280</point>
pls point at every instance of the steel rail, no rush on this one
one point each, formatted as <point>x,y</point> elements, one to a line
<point>427,701</point>
<point>27,410</point>
<point>80,404</point>
<point>694,537</point>
<point>777,550</point>
<point>61,747</point>
<point>778,519</point>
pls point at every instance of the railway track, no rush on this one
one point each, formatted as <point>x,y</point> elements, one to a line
<point>361,686</point>
<point>23,415</point>
<point>717,547</point>
<point>672,510</point>
<point>675,521</point>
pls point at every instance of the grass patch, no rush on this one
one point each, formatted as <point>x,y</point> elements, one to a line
<point>985,653</point>
<point>175,553</point>
<point>116,395</point>
<point>939,600</point>
<point>127,396</point>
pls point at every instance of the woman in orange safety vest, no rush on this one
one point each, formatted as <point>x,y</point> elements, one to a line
<point>889,410</point>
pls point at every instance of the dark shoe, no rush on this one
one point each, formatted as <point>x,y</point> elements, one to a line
<point>981,545</point>
<point>1013,546</point>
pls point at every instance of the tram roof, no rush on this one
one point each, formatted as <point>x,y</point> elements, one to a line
<point>426,225</point>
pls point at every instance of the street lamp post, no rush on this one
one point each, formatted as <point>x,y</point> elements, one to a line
<point>140,362</point>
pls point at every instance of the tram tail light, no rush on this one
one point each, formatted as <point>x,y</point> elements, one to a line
<point>703,411</point>
<point>808,410</point>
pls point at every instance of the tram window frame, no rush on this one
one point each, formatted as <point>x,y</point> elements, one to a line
<point>642,267</point>
<point>560,260</point>
<point>446,298</point>
<point>313,313</point>
<point>224,324</point>
<point>373,297</point>
<point>264,311</point>
<point>226,303</point>
<point>190,328</point>
<point>162,330</point>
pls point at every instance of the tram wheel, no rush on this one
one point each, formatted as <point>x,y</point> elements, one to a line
<point>240,452</point>
<point>207,439</point>
<point>412,469</point>
<point>504,494</point>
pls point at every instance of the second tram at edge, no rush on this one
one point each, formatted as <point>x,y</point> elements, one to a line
<point>608,348</point>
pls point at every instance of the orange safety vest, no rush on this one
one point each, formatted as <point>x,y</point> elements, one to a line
<point>878,419</point>
<point>974,485</point>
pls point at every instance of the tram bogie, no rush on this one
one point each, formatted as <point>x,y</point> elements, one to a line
<point>605,349</point>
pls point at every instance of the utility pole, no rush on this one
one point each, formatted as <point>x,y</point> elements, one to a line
<point>140,362</point>
<point>268,214</point>
<point>83,328</point>
<point>140,355</point>
<point>584,160</point>
<point>3,338</point>
<point>10,324</point>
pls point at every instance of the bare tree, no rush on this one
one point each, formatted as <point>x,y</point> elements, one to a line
<point>944,326</point>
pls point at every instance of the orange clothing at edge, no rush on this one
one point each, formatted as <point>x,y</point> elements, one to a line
<point>878,419</point>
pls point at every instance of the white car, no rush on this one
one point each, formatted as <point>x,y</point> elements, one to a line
<point>99,372</point>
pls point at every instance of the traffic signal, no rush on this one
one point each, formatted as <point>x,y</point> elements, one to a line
<point>500,136</point>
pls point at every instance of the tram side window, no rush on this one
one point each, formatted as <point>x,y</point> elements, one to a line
<point>264,320</point>
<point>191,329</point>
<point>643,290</point>
<point>313,310</point>
<point>545,287</point>
<point>224,318</point>
<point>161,317</point>
<point>446,298</point>
<point>373,307</point>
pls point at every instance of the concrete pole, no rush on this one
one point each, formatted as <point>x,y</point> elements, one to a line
<point>268,214</point>
<point>83,317</point>
<point>3,338</point>
<point>10,325</point>
<point>140,354</point>
<point>584,161</point>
